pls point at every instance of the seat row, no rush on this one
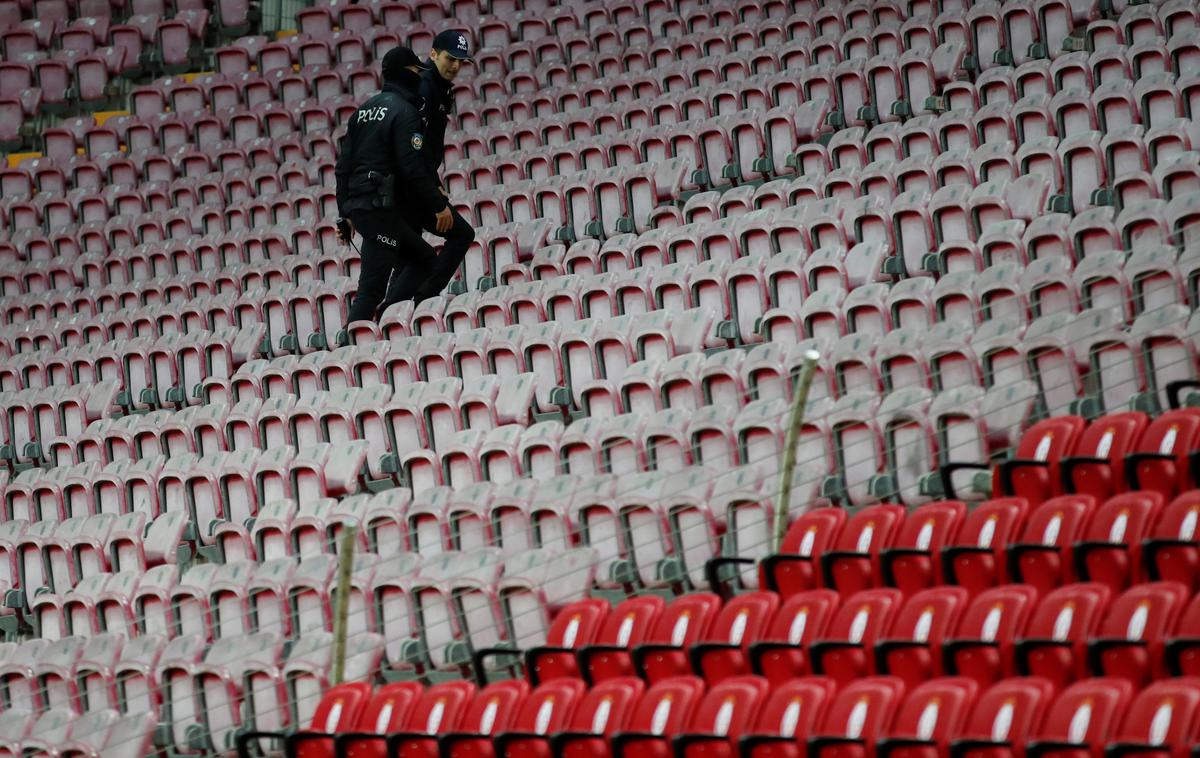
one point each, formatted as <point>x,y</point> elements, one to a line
<point>149,171</point>
<point>197,691</point>
<point>1065,635</point>
<point>743,716</point>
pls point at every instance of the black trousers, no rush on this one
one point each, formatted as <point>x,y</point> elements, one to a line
<point>421,280</point>
<point>393,249</point>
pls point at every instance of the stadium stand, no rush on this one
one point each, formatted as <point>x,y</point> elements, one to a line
<point>562,472</point>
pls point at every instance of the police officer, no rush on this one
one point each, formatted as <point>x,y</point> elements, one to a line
<point>450,49</point>
<point>379,172</point>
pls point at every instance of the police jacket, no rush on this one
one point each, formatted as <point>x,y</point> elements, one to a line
<point>379,164</point>
<point>439,104</point>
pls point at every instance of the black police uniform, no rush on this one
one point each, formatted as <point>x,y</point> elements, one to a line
<point>379,172</point>
<point>438,101</point>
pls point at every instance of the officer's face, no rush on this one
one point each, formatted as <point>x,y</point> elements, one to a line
<point>447,65</point>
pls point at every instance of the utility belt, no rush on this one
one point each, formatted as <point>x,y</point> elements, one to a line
<point>378,187</point>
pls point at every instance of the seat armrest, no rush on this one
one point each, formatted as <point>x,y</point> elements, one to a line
<point>890,554</point>
<point>1008,467</point>
<point>1131,463</point>
<point>950,647</point>
<point>946,472</point>
<point>1067,466</point>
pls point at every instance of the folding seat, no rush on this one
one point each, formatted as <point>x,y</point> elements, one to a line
<point>1043,556</point>
<point>718,720</point>
<point>857,716</point>
<point>1130,639</point>
<point>982,646</point>
<point>1053,646</point>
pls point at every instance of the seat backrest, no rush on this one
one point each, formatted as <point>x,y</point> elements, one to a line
<point>389,708</point>
<point>936,710</point>
<point>1071,613</point>
<point>809,536</point>
<point>743,619</point>
<point>494,707</point>
<point>578,623</point>
<point>1174,433</point>
<point>863,709</point>
<point>865,616</point>
<point>1166,714</point>
<point>341,707</point>
<point>608,706</point>
<point>686,620</point>
<point>667,705</point>
<point>930,526</point>
<point>1009,710</point>
<point>998,615</point>
<point>992,524</point>
<point>1110,437</point>
<point>1058,523</point>
<point>1048,441</point>
<point>1145,612</point>
<point>1122,520</point>
<point>814,531</point>
<point>730,707</point>
<point>630,622</point>
<point>1087,712</point>
<point>929,615</point>
<point>549,707</point>
<point>871,529</point>
<point>796,708</point>
<point>440,708</point>
<point>803,617</point>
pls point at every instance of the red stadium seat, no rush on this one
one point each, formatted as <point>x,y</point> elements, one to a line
<point>1081,718</point>
<point>436,711</point>
<point>1054,644</point>
<point>665,709</point>
<point>605,709</point>
<point>782,653</point>
<point>933,713</point>
<point>1160,459</point>
<point>853,563</point>
<point>1111,550</point>
<point>1170,552</point>
<point>842,653</point>
<point>1043,555</point>
<point>982,646</point>
<point>1130,640</point>
<point>741,622</point>
<point>794,568</point>
<point>1182,649</point>
<point>574,627</point>
<point>1004,714</point>
<point>794,708</point>
<point>1034,472</point>
<point>682,623</point>
<point>1162,720</point>
<point>1097,466</point>
<point>914,561</point>
<point>492,711</point>
<point>858,716</point>
<point>718,720</point>
<point>978,558</point>
<point>912,648</point>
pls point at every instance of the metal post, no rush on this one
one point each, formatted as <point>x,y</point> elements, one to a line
<point>793,439</point>
<point>342,609</point>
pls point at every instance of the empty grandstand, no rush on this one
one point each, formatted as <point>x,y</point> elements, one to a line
<point>961,239</point>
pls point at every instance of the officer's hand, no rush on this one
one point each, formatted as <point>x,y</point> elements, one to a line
<point>345,230</point>
<point>445,220</point>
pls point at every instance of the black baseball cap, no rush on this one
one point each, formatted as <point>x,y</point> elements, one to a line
<point>398,58</point>
<point>454,42</point>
